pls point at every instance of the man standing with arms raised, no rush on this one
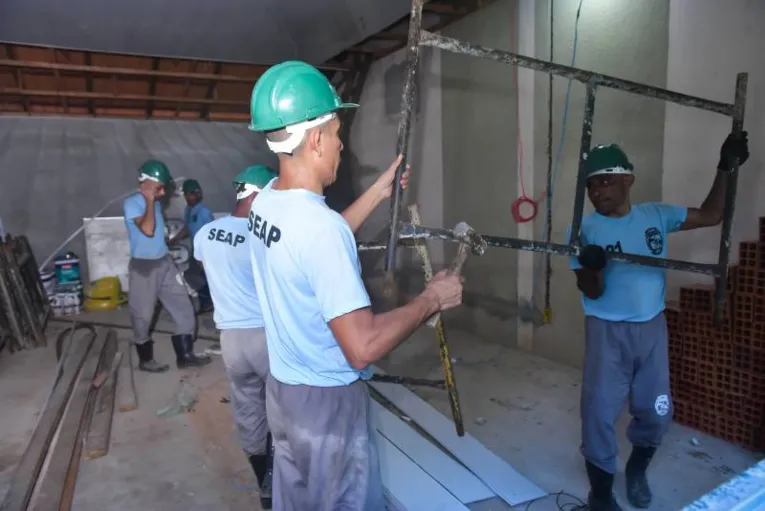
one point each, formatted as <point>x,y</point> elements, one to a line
<point>322,335</point>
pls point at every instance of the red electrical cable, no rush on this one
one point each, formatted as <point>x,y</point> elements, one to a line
<point>523,200</point>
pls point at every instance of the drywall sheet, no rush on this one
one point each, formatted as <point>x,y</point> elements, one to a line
<point>507,483</point>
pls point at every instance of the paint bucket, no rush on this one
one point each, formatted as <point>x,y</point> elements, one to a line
<point>67,301</point>
<point>48,279</point>
<point>67,269</point>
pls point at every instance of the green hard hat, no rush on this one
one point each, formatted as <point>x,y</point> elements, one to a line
<point>290,93</point>
<point>608,159</point>
<point>191,185</point>
<point>156,171</point>
<point>256,175</point>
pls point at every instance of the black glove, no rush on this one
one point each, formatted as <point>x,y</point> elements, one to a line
<point>734,147</point>
<point>592,257</point>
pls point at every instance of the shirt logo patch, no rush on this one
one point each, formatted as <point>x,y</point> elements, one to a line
<point>654,240</point>
<point>193,218</point>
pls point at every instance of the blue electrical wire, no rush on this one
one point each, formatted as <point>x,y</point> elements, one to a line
<point>556,165</point>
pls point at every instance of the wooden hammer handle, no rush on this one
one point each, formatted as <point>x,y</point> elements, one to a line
<point>454,269</point>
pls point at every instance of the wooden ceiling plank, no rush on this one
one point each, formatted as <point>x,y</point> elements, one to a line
<point>18,75</point>
<point>152,87</point>
<point>212,91</point>
<point>244,105</point>
<point>89,83</point>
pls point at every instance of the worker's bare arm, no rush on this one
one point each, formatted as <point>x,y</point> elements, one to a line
<point>365,337</point>
<point>711,210</point>
<point>147,223</point>
<point>182,235</point>
<point>735,148</point>
<point>359,211</point>
<point>590,283</point>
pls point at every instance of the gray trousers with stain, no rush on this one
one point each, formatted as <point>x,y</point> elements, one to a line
<point>152,279</point>
<point>245,357</point>
<point>325,452</point>
<point>624,359</point>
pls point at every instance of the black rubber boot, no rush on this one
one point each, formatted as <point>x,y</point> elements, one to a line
<point>262,465</point>
<point>146,360</point>
<point>183,345</point>
<point>601,496</point>
<point>638,492</point>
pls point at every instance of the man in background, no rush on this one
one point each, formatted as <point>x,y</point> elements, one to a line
<point>153,275</point>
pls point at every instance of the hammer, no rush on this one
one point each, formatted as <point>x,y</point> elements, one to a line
<point>470,241</point>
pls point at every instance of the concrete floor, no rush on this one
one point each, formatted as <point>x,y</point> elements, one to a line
<point>527,406</point>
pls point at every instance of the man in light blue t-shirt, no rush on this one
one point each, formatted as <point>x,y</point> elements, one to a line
<point>153,275</point>
<point>625,330</point>
<point>223,247</point>
<point>322,335</point>
<point>195,216</point>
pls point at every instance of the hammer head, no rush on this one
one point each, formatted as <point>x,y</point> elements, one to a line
<point>468,235</point>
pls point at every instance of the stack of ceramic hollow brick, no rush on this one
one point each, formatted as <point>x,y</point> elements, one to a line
<point>718,374</point>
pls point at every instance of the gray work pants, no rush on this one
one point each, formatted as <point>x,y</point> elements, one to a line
<point>152,279</point>
<point>325,455</point>
<point>245,357</point>
<point>624,359</point>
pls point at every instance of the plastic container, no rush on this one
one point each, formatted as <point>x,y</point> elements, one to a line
<point>67,269</point>
<point>48,279</point>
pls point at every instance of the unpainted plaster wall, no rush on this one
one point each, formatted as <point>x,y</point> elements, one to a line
<point>621,38</point>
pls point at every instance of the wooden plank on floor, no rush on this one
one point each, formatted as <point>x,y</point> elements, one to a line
<point>407,486</point>
<point>99,430</point>
<point>58,480</point>
<point>507,483</point>
<point>126,394</point>
<point>458,480</point>
<point>23,482</point>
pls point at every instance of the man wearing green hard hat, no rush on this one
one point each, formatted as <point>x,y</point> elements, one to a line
<point>222,246</point>
<point>321,333</point>
<point>195,216</point>
<point>153,275</point>
<point>626,350</point>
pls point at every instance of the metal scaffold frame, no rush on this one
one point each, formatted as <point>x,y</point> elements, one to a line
<point>406,233</point>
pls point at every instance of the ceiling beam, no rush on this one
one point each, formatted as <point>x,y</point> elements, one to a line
<point>125,71</point>
<point>212,91</point>
<point>244,105</point>
<point>89,83</point>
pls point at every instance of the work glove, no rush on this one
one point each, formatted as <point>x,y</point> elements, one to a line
<point>592,257</point>
<point>734,147</point>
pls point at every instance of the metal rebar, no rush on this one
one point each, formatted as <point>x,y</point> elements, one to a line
<point>580,75</point>
<point>402,143</point>
<point>411,232</point>
<point>549,192</point>
<point>730,202</point>
<point>406,380</point>
<point>581,177</point>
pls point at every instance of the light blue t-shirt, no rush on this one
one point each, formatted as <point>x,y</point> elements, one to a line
<point>307,273</point>
<point>223,246</point>
<point>142,246</point>
<point>632,293</point>
<point>196,217</point>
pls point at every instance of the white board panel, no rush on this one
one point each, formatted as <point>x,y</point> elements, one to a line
<point>507,483</point>
<point>107,248</point>
<point>458,480</point>
<point>407,486</point>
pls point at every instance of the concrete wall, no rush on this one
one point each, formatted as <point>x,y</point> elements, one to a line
<point>55,171</point>
<point>622,38</point>
<point>480,164</point>
<point>704,63</point>
<point>372,148</point>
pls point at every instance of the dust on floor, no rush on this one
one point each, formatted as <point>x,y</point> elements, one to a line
<point>185,462</point>
<point>524,408</point>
